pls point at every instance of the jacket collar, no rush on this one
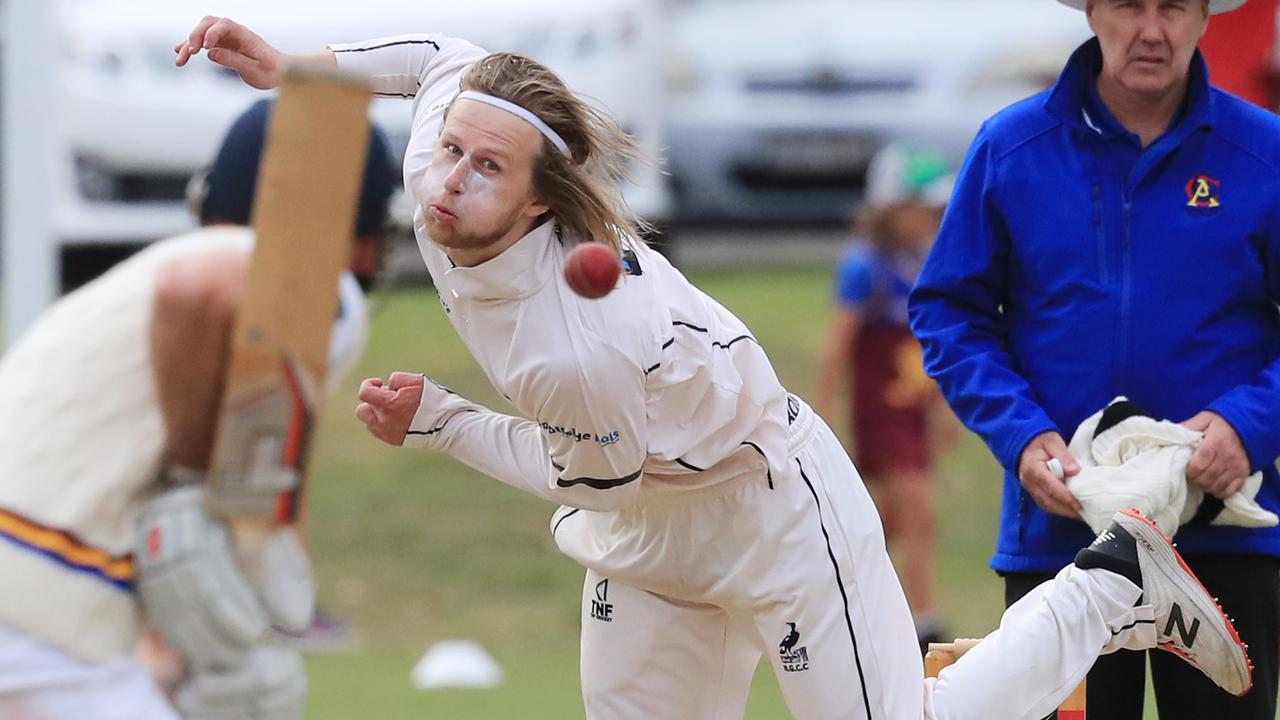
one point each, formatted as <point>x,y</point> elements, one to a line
<point>1066,100</point>
<point>1098,116</point>
<point>517,272</point>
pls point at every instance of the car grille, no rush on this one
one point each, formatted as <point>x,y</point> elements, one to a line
<point>762,178</point>
<point>806,160</point>
<point>149,188</point>
<point>829,82</point>
<point>99,182</point>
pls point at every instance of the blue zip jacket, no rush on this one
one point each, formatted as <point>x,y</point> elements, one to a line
<point>1074,266</point>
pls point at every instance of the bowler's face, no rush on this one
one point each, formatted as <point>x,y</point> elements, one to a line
<point>1147,45</point>
<point>479,187</point>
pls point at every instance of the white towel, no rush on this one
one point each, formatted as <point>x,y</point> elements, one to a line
<point>1138,461</point>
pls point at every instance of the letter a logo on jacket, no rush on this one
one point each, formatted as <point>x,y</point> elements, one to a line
<point>1202,192</point>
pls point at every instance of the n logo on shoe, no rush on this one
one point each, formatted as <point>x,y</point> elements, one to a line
<point>1175,618</point>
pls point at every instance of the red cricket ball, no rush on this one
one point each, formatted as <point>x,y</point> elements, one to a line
<point>592,269</point>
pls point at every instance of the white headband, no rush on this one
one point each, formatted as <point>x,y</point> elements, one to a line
<point>521,113</point>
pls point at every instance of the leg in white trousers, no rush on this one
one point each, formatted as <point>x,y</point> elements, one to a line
<point>669,659</point>
<point>793,567</point>
<point>647,656</point>
<point>1046,643</point>
<point>39,682</point>
<point>796,569</point>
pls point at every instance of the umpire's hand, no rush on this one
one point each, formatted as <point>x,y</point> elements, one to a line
<point>1220,464</point>
<point>1049,492</point>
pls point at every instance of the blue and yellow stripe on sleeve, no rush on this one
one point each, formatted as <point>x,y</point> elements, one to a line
<point>68,550</point>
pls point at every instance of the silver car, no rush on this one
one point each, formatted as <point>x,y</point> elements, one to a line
<point>775,108</point>
<point>133,128</point>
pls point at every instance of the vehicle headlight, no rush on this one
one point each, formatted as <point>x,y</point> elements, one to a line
<point>625,31</point>
<point>534,42</point>
<point>96,181</point>
<point>585,44</point>
<point>84,55</point>
<point>614,33</point>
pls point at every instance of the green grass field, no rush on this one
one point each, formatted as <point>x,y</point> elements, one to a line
<point>414,548</point>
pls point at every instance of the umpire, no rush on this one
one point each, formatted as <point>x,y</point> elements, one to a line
<point>1119,234</point>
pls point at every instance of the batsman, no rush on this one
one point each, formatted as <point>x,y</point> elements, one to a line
<point>108,407</point>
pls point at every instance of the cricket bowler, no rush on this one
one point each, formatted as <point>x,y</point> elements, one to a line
<point>717,516</point>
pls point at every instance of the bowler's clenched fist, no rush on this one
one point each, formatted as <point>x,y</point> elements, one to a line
<point>387,409</point>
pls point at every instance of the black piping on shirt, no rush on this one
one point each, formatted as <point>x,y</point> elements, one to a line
<point>596,483</point>
<point>439,427</point>
<point>689,466</point>
<point>714,343</point>
<point>691,326</point>
<point>432,43</point>
<point>564,517</point>
<point>767,472</point>
<point>1135,623</point>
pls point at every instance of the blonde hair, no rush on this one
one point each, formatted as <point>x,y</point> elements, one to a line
<point>581,189</point>
<point>878,224</point>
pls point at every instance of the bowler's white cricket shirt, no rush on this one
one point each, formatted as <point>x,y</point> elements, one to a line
<point>655,388</point>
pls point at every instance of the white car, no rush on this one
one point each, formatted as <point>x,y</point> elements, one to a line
<point>135,127</point>
<point>775,107</point>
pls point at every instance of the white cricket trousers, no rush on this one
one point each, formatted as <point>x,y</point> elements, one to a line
<point>683,595</point>
<point>40,682</point>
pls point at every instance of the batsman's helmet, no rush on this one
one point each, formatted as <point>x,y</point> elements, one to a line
<point>225,191</point>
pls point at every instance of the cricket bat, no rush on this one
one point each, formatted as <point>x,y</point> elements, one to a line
<point>304,217</point>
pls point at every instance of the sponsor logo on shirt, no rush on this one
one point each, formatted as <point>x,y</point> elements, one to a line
<point>1202,192</point>
<point>794,659</point>
<point>601,439</point>
<point>630,264</point>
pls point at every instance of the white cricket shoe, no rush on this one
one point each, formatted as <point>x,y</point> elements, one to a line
<point>1189,622</point>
